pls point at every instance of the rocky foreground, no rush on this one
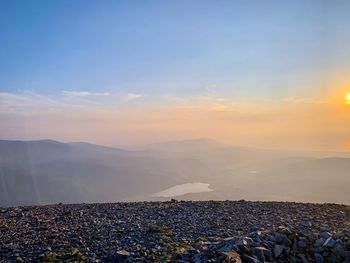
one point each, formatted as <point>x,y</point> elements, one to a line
<point>212,231</point>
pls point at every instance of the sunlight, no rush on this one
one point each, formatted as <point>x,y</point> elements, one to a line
<point>347,98</point>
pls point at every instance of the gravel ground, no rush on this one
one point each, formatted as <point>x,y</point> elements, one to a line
<point>176,231</point>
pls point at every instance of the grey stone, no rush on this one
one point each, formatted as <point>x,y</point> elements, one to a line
<point>306,223</point>
<point>303,258</point>
<point>302,242</point>
<point>319,242</point>
<point>325,235</point>
<point>330,242</point>
<point>318,258</point>
<point>250,259</point>
<point>277,250</point>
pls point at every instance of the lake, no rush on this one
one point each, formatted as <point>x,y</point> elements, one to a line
<point>183,189</point>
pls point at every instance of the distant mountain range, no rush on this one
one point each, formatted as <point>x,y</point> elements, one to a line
<point>47,171</point>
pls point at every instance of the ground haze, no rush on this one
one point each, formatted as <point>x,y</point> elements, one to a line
<point>46,171</point>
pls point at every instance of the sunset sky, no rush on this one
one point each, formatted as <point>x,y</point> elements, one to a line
<point>272,74</point>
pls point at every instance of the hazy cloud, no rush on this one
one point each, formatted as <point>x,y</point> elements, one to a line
<point>132,96</point>
<point>73,94</point>
<point>258,124</point>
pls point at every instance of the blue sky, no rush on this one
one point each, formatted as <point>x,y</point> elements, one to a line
<point>258,73</point>
<point>239,49</point>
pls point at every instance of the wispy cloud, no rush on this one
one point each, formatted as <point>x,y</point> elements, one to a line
<point>132,96</point>
<point>31,101</point>
<point>12,101</point>
<point>211,89</point>
<point>303,100</point>
<point>24,101</point>
<point>72,94</point>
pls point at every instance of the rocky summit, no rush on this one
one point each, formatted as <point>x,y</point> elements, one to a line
<point>176,231</point>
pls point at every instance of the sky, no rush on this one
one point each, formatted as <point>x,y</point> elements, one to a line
<point>258,73</point>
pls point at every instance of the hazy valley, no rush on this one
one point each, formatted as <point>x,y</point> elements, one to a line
<point>46,171</point>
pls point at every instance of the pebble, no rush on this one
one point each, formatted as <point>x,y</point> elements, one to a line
<point>176,231</point>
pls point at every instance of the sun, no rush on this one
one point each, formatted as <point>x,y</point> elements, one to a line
<point>347,98</point>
